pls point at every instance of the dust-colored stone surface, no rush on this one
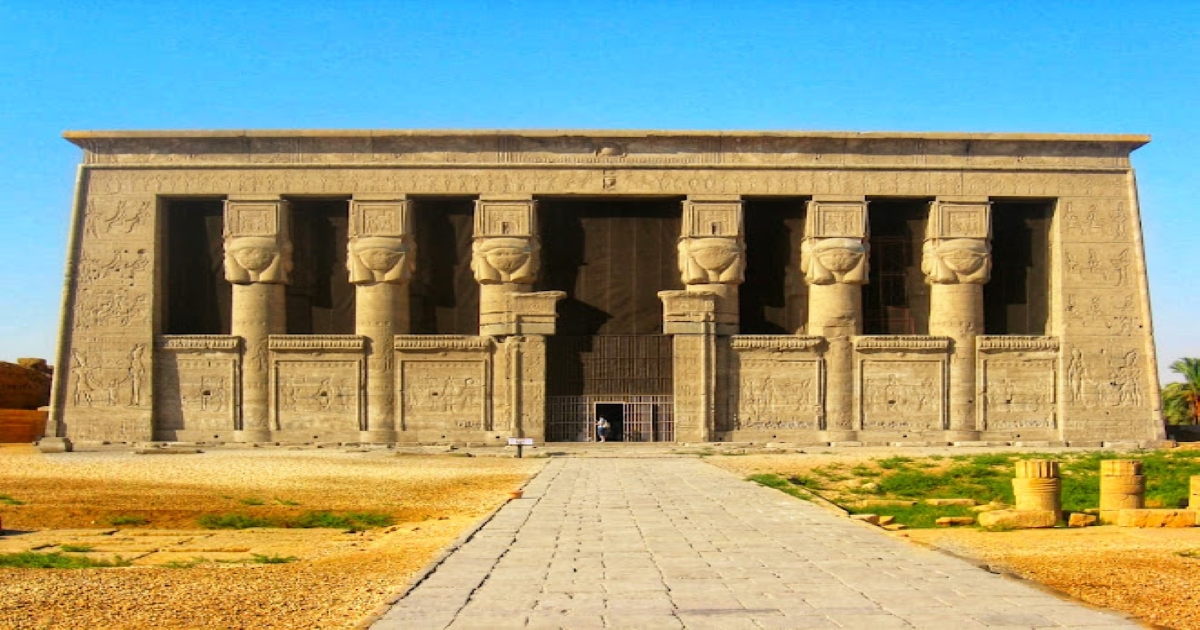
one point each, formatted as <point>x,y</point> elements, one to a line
<point>1133,570</point>
<point>337,579</point>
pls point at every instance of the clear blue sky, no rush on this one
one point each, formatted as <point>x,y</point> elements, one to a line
<point>1042,66</point>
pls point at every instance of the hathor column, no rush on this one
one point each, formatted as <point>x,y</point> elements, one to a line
<point>381,259</point>
<point>504,257</point>
<point>833,258</point>
<point>712,264</point>
<point>957,261</point>
<point>258,257</point>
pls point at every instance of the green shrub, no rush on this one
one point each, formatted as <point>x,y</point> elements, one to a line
<point>75,548</point>
<point>253,501</point>
<point>353,521</point>
<point>7,500</point>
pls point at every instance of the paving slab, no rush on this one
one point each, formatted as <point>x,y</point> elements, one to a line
<point>676,543</point>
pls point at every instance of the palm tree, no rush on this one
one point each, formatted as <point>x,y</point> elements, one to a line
<point>1181,401</point>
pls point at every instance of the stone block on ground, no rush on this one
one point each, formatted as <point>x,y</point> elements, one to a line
<point>955,521</point>
<point>950,501</point>
<point>886,520</point>
<point>1018,519</point>
<point>866,518</point>
<point>1156,518</point>
<point>1082,520</point>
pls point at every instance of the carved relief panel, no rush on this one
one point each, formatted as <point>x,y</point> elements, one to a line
<point>444,395</point>
<point>778,393</point>
<point>902,394</point>
<point>196,387</point>
<point>317,383</point>
<point>1017,380</point>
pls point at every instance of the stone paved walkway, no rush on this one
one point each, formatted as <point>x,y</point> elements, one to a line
<point>676,543</point>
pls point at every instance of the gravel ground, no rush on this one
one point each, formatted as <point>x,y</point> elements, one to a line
<point>338,580</point>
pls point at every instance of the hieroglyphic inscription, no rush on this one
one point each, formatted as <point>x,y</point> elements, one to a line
<point>441,394</point>
<point>1019,393</point>
<point>1099,266</point>
<point>1110,313</point>
<point>317,394</point>
<point>120,263</point>
<point>778,394</point>
<point>1111,377</point>
<point>109,307</point>
<point>582,181</point>
<point>533,384</point>
<point>902,395</point>
<point>1096,220</point>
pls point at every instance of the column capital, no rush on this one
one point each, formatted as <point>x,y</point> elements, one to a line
<point>957,247</point>
<point>505,215</point>
<point>381,246</point>
<point>834,249</point>
<point>257,243</point>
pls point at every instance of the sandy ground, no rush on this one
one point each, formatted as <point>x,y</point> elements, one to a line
<point>1145,572</point>
<point>338,578</point>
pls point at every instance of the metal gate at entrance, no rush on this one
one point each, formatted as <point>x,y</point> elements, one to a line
<point>625,378</point>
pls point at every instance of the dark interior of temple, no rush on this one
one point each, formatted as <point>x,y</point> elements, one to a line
<point>443,294</point>
<point>1016,300</point>
<point>896,299</point>
<point>773,299</point>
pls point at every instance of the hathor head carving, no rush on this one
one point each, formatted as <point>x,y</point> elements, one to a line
<point>505,259</point>
<point>250,259</point>
<point>956,261</point>
<point>711,261</point>
<point>834,260</point>
<point>381,259</point>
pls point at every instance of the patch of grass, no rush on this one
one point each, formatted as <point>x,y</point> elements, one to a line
<point>7,500</point>
<point>127,519</point>
<point>76,548</point>
<point>892,463</point>
<point>863,471</point>
<point>352,521</point>
<point>232,521</point>
<point>777,482</point>
<point>804,481</point>
<point>56,560</point>
<point>187,564</point>
<point>253,501</point>
<point>286,502</point>
<point>919,516</point>
<point>261,559</point>
<point>1190,553</point>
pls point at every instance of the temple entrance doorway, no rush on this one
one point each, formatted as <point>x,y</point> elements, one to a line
<point>611,257</point>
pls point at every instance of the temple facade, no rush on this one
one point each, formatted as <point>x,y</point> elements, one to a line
<point>469,286</point>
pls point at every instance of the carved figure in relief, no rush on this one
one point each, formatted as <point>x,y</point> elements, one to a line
<point>715,260</point>
<point>381,259</point>
<point>207,396</point>
<point>1110,312</point>
<point>1095,271</point>
<point>86,381</point>
<point>834,260</point>
<point>505,259</point>
<point>1077,375</point>
<point>122,218</point>
<point>770,403</point>
<point>102,307</point>
<point>257,259</point>
<point>328,394</point>
<point>137,374</point>
<point>123,263</point>
<point>956,261</point>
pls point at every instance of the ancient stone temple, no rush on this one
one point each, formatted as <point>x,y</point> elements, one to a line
<point>433,287</point>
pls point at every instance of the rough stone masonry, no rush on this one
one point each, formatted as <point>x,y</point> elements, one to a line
<point>468,286</point>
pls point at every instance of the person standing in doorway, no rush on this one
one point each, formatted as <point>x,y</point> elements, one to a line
<point>602,427</point>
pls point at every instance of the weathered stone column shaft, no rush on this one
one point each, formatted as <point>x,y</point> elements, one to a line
<point>258,312</point>
<point>957,312</point>
<point>378,308</point>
